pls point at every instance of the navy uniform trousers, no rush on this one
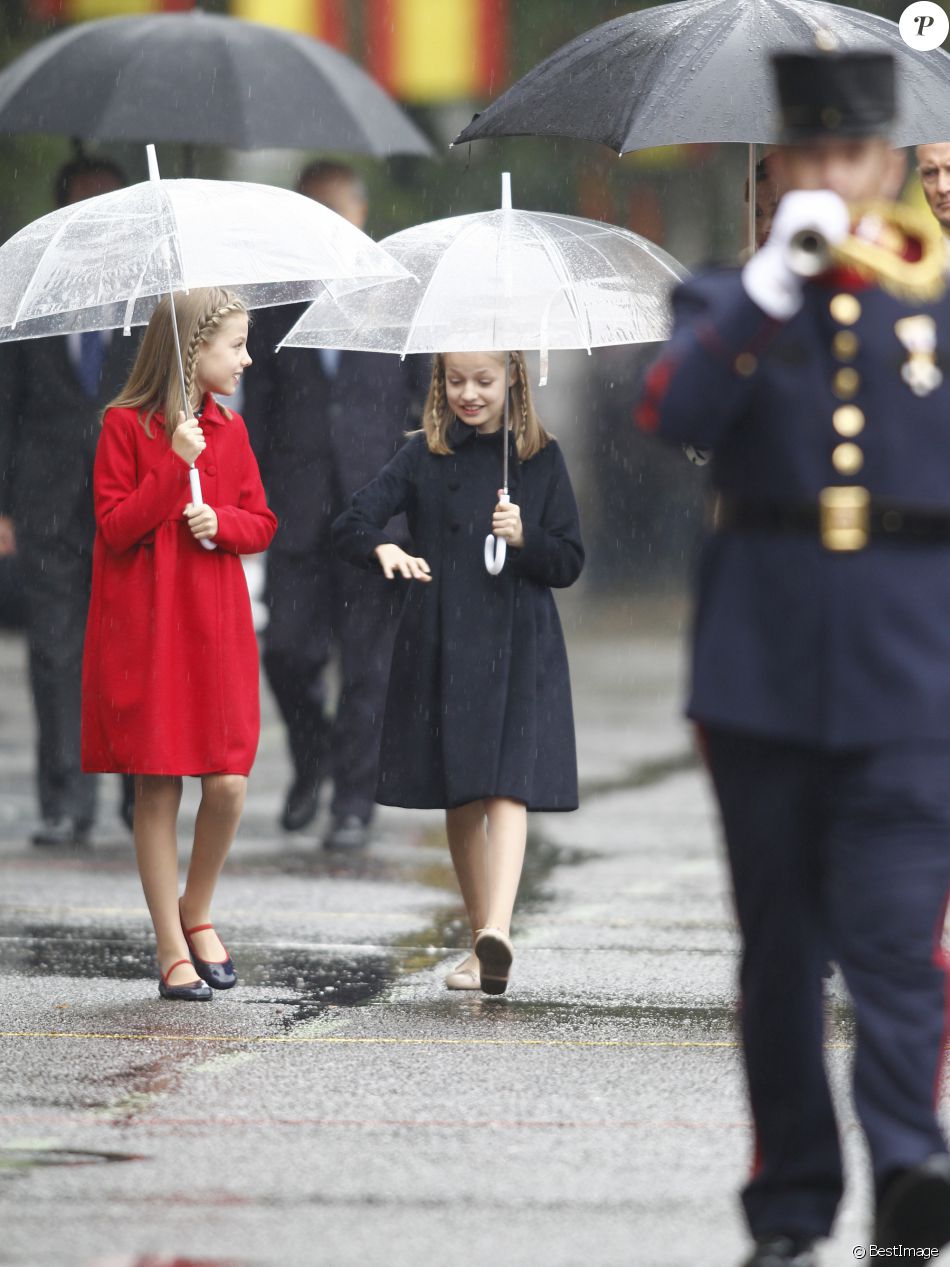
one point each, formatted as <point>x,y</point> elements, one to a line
<point>821,682</point>
<point>841,855</point>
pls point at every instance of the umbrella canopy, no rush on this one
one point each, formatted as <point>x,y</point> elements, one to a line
<point>501,280</point>
<point>698,71</point>
<point>105,262</point>
<point>200,78</point>
<point>497,281</point>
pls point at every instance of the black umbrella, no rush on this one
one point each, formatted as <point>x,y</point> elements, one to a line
<point>699,71</point>
<point>202,79</point>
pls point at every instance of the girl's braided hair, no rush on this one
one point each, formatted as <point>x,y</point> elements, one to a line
<point>153,386</point>
<point>530,436</point>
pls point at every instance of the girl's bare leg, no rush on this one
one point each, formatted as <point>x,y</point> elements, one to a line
<point>465,828</point>
<point>504,859</point>
<point>155,830</point>
<point>216,823</point>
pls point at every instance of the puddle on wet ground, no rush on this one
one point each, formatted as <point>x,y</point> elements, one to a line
<point>45,947</point>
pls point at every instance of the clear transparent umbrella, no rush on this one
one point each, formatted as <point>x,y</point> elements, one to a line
<point>500,281</point>
<point>105,262</point>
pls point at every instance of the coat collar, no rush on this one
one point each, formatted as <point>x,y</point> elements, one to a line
<point>211,411</point>
<point>459,434</point>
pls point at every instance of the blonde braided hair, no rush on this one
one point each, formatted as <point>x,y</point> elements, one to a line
<point>153,387</point>
<point>204,333</point>
<point>437,417</point>
<point>525,392</point>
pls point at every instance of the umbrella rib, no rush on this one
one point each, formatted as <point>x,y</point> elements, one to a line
<point>170,210</point>
<point>550,249</point>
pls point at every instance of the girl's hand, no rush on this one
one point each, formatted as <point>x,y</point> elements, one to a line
<point>393,560</point>
<point>506,522</point>
<point>188,440</point>
<point>202,521</point>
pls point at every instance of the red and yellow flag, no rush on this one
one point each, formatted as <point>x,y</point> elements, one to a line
<point>85,10</point>
<point>438,50</point>
<point>323,19</point>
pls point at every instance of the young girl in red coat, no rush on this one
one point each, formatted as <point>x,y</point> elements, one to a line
<point>170,674</point>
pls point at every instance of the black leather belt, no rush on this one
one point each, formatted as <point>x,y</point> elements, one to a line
<point>844,519</point>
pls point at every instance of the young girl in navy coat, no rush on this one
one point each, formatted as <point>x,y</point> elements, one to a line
<point>478,715</point>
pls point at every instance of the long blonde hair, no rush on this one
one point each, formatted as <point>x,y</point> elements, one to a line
<point>153,387</point>
<point>530,436</point>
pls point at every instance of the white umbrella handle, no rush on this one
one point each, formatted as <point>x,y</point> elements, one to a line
<point>193,477</point>
<point>195,481</point>
<point>496,548</point>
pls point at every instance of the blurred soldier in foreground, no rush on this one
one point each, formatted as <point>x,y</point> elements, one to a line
<point>821,668</point>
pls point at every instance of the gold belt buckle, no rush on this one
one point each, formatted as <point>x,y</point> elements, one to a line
<point>844,516</point>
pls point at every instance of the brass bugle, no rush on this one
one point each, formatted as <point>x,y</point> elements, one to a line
<point>895,246</point>
<point>809,253</point>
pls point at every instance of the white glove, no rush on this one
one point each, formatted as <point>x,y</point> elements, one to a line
<point>767,278</point>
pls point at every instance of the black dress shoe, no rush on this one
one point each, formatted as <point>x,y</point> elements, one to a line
<point>61,831</point>
<point>348,832</point>
<point>190,992</point>
<point>914,1207</point>
<point>783,1251</point>
<point>301,805</point>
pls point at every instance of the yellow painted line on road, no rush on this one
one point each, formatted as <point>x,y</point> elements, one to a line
<point>137,911</point>
<point>305,1039</point>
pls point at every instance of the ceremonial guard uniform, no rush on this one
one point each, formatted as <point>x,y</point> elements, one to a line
<point>821,681</point>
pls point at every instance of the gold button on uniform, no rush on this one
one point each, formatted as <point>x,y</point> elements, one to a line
<point>848,420</point>
<point>845,345</point>
<point>746,364</point>
<point>846,383</point>
<point>847,459</point>
<point>845,309</point>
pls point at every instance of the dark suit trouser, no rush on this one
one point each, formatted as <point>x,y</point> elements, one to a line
<point>57,577</point>
<point>846,855</point>
<point>317,602</point>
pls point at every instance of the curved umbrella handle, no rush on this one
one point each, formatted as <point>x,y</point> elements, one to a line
<point>496,548</point>
<point>195,481</point>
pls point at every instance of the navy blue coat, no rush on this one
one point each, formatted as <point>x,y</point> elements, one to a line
<point>793,641</point>
<point>479,700</point>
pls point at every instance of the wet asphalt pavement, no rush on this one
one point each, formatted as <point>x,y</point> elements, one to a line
<point>340,1106</point>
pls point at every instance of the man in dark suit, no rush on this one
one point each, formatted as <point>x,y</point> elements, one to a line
<point>821,661</point>
<point>322,424</point>
<point>52,393</point>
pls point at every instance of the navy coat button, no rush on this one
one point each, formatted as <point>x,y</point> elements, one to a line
<point>454,486</point>
<point>454,526</point>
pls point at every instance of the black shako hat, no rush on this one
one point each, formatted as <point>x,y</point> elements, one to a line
<point>835,93</point>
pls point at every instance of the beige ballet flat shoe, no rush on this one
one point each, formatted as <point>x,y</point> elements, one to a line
<point>462,978</point>
<point>495,954</point>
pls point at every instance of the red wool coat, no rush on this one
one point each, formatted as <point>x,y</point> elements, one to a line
<point>170,671</point>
